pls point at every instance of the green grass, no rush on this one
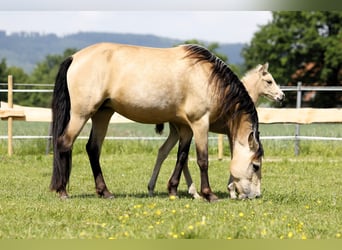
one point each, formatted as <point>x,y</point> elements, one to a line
<point>302,196</point>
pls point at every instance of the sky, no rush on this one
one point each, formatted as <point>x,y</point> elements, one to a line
<point>223,26</point>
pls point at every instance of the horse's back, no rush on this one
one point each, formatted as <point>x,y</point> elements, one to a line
<point>143,79</point>
<point>111,52</point>
<point>117,62</point>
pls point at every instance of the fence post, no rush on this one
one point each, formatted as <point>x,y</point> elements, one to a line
<point>220,146</point>
<point>48,143</point>
<point>10,118</point>
<point>298,106</point>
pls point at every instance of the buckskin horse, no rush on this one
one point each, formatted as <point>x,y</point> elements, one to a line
<point>187,86</point>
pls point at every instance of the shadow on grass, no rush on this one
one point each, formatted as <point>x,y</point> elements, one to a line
<point>143,195</point>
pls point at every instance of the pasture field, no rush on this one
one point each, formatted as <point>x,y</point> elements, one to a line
<point>302,195</point>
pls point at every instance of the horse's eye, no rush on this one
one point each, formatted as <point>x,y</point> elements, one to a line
<point>269,81</point>
<point>256,167</point>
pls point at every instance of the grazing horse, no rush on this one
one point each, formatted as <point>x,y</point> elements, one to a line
<point>186,85</point>
<point>258,82</point>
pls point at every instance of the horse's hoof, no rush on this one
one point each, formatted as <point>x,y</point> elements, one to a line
<point>64,197</point>
<point>172,192</point>
<point>196,196</point>
<point>173,197</point>
<point>211,197</point>
<point>108,196</point>
<point>105,194</point>
<point>193,192</point>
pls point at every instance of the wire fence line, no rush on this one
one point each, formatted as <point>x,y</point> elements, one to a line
<point>155,138</point>
<point>48,88</point>
<point>284,88</point>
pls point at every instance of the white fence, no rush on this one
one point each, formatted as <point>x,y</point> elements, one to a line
<point>296,115</point>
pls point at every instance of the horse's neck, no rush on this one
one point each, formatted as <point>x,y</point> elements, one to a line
<point>251,88</point>
<point>219,126</point>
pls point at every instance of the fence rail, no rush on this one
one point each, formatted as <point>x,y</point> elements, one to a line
<point>311,88</point>
<point>296,115</point>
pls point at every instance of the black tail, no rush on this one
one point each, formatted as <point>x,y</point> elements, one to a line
<point>159,128</point>
<point>60,118</point>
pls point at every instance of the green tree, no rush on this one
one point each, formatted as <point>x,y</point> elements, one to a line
<point>45,72</point>
<point>19,76</point>
<point>3,78</point>
<point>301,46</point>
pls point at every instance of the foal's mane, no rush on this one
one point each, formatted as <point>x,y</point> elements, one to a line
<point>252,71</point>
<point>232,93</point>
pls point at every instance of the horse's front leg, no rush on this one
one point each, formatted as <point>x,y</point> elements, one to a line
<point>185,137</point>
<point>200,130</point>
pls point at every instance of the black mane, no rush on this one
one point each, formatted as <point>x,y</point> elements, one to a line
<point>232,93</point>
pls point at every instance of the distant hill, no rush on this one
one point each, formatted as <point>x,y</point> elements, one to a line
<point>25,50</point>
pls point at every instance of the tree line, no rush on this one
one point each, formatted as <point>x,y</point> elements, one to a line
<point>299,46</point>
<point>44,72</point>
<point>303,46</point>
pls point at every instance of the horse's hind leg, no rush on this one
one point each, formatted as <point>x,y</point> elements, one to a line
<point>100,122</point>
<point>63,155</point>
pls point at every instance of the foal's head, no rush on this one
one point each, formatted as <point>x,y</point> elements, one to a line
<point>245,166</point>
<point>260,82</point>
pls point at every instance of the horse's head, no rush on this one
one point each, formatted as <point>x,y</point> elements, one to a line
<point>245,168</point>
<point>267,85</point>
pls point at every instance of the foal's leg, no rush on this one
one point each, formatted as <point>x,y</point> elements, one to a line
<point>163,152</point>
<point>100,122</point>
<point>185,136</point>
<point>191,186</point>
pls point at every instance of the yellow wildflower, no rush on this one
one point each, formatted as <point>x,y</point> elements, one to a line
<point>290,235</point>
<point>138,206</point>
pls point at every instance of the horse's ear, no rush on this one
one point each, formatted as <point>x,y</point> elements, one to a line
<point>260,68</point>
<point>252,142</point>
<point>265,66</point>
